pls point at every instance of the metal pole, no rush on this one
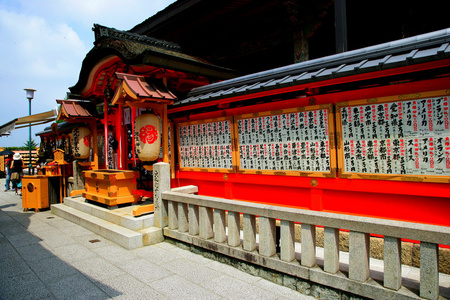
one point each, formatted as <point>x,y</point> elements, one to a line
<point>29,140</point>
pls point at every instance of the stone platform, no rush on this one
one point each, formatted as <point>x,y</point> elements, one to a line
<point>117,225</point>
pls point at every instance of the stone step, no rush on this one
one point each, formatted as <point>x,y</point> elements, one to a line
<point>127,238</point>
<point>120,216</point>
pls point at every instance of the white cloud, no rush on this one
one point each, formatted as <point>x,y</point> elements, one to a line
<point>33,48</point>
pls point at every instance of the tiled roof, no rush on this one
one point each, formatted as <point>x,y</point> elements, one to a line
<point>423,48</point>
<point>144,89</point>
<point>102,32</point>
<point>75,109</point>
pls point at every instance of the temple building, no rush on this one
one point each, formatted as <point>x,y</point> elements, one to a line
<point>311,105</point>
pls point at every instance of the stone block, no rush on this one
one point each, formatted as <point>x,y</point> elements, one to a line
<point>415,256</point>
<point>151,236</point>
<point>444,260</point>
<point>343,241</point>
<point>272,276</point>
<point>407,252</point>
<point>376,247</point>
<point>321,292</point>
<point>161,184</point>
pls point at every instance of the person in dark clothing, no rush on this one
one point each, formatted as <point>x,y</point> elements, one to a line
<point>8,172</point>
<point>16,172</point>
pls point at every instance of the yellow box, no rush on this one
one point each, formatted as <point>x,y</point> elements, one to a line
<point>111,187</point>
<point>35,192</point>
<point>51,170</point>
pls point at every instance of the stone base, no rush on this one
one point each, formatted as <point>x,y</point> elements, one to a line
<point>410,251</point>
<point>303,286</point>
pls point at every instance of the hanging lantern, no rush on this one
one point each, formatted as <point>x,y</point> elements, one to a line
<point>147,137</point>
<point>81,142</point>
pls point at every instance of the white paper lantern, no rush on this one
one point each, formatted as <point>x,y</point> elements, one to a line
<point>147,137</point>
<point>81,142</point>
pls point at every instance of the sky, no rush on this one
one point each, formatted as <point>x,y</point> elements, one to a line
<point>43,44</point>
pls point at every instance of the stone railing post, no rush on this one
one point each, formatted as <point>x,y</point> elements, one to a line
<point>161,184</point>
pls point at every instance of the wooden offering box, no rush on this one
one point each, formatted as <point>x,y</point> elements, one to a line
<point>111,187</point>
<point>35,192</point>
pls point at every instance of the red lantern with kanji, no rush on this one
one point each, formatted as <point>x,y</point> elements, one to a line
<point>147,137</point>
<point>81,142</point>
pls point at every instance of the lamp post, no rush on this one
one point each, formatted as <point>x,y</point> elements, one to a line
<point>30,96</point>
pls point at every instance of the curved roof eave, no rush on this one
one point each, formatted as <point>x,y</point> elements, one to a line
<point>134,53</point>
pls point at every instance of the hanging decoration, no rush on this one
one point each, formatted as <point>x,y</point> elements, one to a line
<point>147,137</point>
<point>81,142</point>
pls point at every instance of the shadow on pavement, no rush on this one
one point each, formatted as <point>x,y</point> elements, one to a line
<point>28,267</point>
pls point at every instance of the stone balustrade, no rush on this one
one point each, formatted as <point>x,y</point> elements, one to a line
<point>215,224</point>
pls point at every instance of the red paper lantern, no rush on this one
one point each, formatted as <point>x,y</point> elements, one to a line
<point>147,137</point>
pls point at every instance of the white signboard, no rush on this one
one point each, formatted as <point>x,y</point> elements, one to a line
<point>293,140</point>
<point>205,144</point>
<point>401,137</point>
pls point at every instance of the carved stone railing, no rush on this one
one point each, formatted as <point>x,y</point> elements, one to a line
<point>214,224</point>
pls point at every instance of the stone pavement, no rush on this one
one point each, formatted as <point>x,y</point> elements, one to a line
<point>43,256</point>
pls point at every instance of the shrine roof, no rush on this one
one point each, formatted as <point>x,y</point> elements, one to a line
<point>146,89</point>
<point>75,109</point>
<point>428,47</point>
<point>135,49</point>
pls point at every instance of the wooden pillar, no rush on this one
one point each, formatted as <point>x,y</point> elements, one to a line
<point>105,118</point>
<point>165,130</point>
<point>93,125</point>
<point>119,137</point>
<point>133,119</point>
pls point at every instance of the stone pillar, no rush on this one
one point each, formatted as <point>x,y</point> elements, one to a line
<point>206,230</point>
<point>287,240</point>
<point>249,232</point>
<point>359,246</point>
<point>161,184</point>
<point>78,179</point>
<point>392,263</point>
<point>308,257</point>
<point>234,229</point>
<point>193,216</point>
<point>220,234</point>
<point>429,271</point>
<point>183,224</point>
<point>331,250</point>
<point>267,236</point>
<point>172,210</point>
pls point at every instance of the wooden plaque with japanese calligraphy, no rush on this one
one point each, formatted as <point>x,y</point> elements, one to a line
<point>404,137</point>
<point>206,145</point>
<point>294,142</point>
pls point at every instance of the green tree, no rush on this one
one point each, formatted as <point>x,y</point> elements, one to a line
<point>27,144</point>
